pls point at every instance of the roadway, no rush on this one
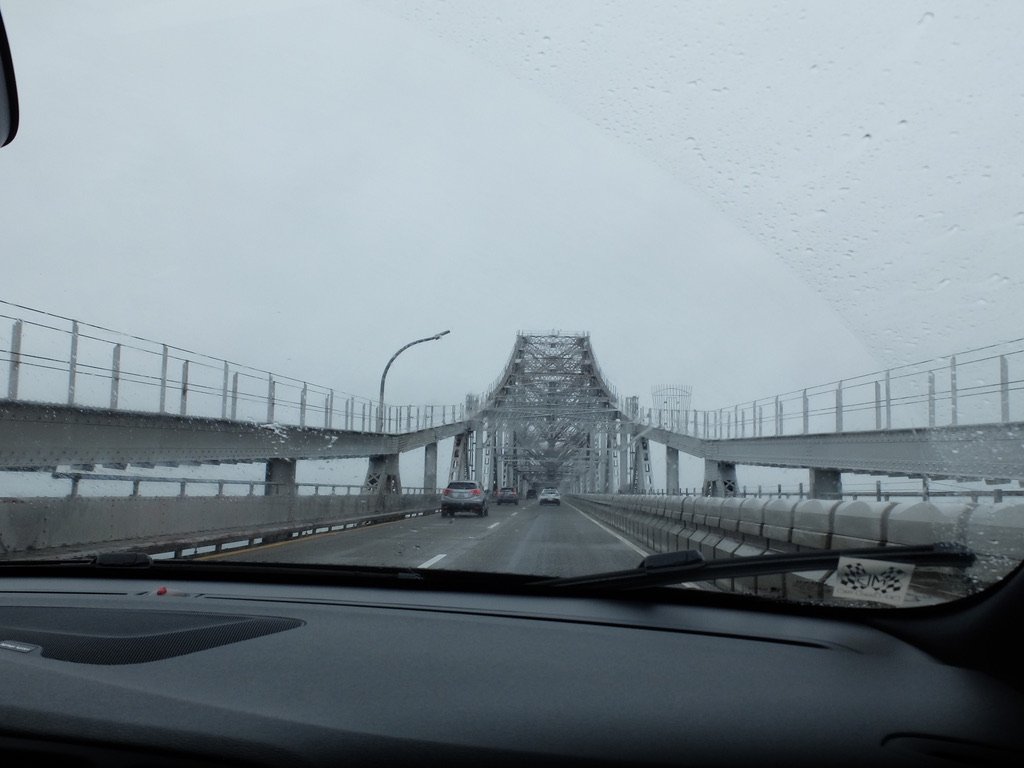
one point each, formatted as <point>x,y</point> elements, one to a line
<point>528,538</point>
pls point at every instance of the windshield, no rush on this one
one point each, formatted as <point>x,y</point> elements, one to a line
<point>736,278</point>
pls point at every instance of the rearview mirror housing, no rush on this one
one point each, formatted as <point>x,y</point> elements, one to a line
<point>8,90</point>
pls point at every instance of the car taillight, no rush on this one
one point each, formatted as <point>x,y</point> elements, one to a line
<point>446,492</point>
<point>476,491</point>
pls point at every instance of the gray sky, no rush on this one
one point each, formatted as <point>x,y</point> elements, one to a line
<point>745,197</point>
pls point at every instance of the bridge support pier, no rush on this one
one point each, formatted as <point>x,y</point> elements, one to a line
<point>280,477</point>
<point>624,456</point>
<point>719,478</point>
<point>671,470</point>
<point>478,455</point>
<point>826,484</point>
<point>430,467</point>
<point>382,475</point>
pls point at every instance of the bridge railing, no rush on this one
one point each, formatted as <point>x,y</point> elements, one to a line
<point>978,386</point>
<point>926,491</point>
<point>55,359</point>
<point>114,485</point>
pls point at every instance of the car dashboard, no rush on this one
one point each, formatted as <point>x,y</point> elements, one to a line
<point>140,671</point>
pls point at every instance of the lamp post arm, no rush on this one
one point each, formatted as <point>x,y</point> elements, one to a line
<point>383,376</point>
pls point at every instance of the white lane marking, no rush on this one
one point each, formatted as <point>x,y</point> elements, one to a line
<point>627,542</point>
<point>493,525</point>
<point>432,560</point>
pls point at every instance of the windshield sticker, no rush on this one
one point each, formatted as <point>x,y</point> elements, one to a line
<point>878,580</point>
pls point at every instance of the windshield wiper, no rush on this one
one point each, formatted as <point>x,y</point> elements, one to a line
<point>101,560</point>
<point>689,565</point>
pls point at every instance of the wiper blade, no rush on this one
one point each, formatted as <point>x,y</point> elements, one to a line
<point>101,560</point>
<point>689,565</point>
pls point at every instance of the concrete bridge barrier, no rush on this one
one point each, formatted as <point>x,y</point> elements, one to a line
<point>186,525</point>
<point>727,527</point>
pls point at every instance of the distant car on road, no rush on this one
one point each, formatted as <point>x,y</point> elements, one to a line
<point>531,493</point>
<point>507,495</point>
<point>550,496</point>
<point>463,496</point>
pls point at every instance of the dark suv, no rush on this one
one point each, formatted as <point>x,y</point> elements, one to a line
<point>507,495</point>
<point>463,496</point>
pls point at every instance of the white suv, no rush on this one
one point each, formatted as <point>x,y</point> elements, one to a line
<point>549,496</point>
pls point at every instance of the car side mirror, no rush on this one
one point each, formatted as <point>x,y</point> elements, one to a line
<point>8,90</point>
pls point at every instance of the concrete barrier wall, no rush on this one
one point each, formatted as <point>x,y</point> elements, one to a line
<point>50,526</point>
<point>741,527</point>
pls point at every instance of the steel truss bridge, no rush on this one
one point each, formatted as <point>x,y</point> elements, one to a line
<point>551,418</point>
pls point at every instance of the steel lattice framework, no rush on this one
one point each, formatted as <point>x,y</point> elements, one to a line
<point>551,419</point>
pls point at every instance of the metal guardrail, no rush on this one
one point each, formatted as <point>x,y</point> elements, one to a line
<point>55,359</point>
<point>254,487</point>
<point>997,495</point>
<point>978,386</point>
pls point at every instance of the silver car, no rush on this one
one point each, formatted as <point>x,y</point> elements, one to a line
<point>463,496</point>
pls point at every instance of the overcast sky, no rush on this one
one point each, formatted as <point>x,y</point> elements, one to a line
<point>746,197</point>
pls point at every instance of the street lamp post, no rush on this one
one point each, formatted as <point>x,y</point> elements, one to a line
<point>380,404</point>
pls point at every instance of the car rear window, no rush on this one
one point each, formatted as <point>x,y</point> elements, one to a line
<point>462,484</point>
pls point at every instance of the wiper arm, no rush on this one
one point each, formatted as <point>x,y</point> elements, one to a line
<point>101,560</point>
<point>689,566</point>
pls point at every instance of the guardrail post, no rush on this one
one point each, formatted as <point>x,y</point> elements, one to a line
<point>74,485</point>
<point>224,393</point>
<point>163,379</point>
<point>73,362</point>
<point>12,374</point>
<point>931,398</point>
<point>839,406</point>
<point>184,387</point>
<point>1004,389</point>
<point>952,390</point>
<point>878,405</point>
<point>115,376</point>
<point>136,485</point>
<point>888,403</point>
